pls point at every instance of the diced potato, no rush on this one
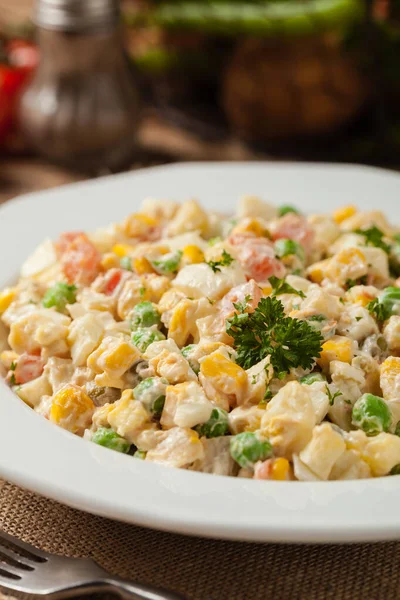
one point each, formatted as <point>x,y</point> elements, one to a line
<point>348,379</point>
<point>382,453</point>
<point>197,281</point>
<point>160,210</point>
<point>84,336</point>
<point>253,206</point>
<point>391,333</point>
<point>189,217</point>
<point>364,220</point>
<point>350,465</point>
<point>390,378</point>
<point>361,294</point>
<point>180,448</point>
<point>186,405</point>
<point>319,398</point>
<point>173,366</point>
<point>357,323</point>
<point>302,472</point>
<point>220,376</point>
<point>43,258</point>
<point>128,417</point>
<point>323,450</point>
<point>43,327</point>
<point>349,263</point>
<point>212,330</point>
<point>258,377</point>
<point>289,420</point>
<point>33,391</point>
<point>320,302</point>
<point>183,321</point>
<point>245,418</point>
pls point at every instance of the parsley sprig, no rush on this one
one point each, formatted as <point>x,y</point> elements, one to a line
<point>267,331</point>
<point>379,310</point>
<point>225,260</point>
<point>374,237</point>
<point>332,397</point>
<point>280,286</point>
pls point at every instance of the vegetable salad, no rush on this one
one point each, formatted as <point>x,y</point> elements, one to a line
<point>264,345</point>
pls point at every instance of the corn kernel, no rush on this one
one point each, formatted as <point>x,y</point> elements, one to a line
<point>142,266</point>
<point>120,357</point>
<point>266,290</point>
<point>341,214</point>
<point>109,261</point>
<point>250,226</point>
<point>6,297</point>
<point>390,377</point>
<point>122,250</point>
<point>138,225</point>
<point>193,254</point>
<point>280,469</point>
<point>72,409</point>
<point>337,348</point>
<point>317,271</point>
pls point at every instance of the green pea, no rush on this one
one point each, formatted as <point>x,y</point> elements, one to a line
<point>168,264</point>
<point>371,414</point>
<point>110,439</point>
<point>287,208</point>
<point>312,378</point>
<point>216,425</point>
<point>186,353</point>
<point>59,296</point>
<point>140,454</point>
<point>145,314</point>
<point>126,263</point>
<point>246,449</point>
<point>151,393</point>
<point>286,247</point>
<point>142,338</point>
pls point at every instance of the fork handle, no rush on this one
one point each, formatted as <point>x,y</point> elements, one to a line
<point>136,591</point>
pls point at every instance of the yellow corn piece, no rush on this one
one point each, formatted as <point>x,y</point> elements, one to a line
<point>6,297</point>
<point>122,250</point>
<point>225,376</point>
<point>72,409</point>
<point>250,226</point>
<point>109,261</point>
<point>138,225</point>
<point>192,254</point>
<point>317,271</point>
<point>357,296</point>
<point>343,213</point>
<point>280,469</point>
<point>390,377</point>
<point>337,347</point>
<point>266,290</point>
<point>142,266</point>
<point>120,357</point>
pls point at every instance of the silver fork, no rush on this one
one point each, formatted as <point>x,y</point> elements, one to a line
<point>26,569</point>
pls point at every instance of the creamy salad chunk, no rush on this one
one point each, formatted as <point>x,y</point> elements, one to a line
<point>263,344</point>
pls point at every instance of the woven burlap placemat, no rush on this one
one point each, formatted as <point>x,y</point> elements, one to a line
<point>205,569</point>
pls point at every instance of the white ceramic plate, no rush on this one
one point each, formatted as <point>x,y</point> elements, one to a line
<point>42,457</point>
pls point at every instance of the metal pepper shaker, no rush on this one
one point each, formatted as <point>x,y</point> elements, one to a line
<point>81,109</point>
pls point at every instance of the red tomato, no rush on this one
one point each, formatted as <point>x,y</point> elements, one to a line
<point>22,60</point>
<point>80,260</point>
<point>28,367</point>
<point>258,260</point>
<point>293,227</point>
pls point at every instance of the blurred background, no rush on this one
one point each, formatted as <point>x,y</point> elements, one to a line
<point>208,79</point>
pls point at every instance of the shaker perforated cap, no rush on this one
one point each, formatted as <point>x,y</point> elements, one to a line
<point>76,14</point>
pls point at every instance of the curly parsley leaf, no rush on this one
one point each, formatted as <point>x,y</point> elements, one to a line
<point>225,260</point>
<point>241,306</point>
<point>379,310</point>
<point>374,237</point>
<point>267,331</point>
<point>332,397</point>
<point>280,286</point>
